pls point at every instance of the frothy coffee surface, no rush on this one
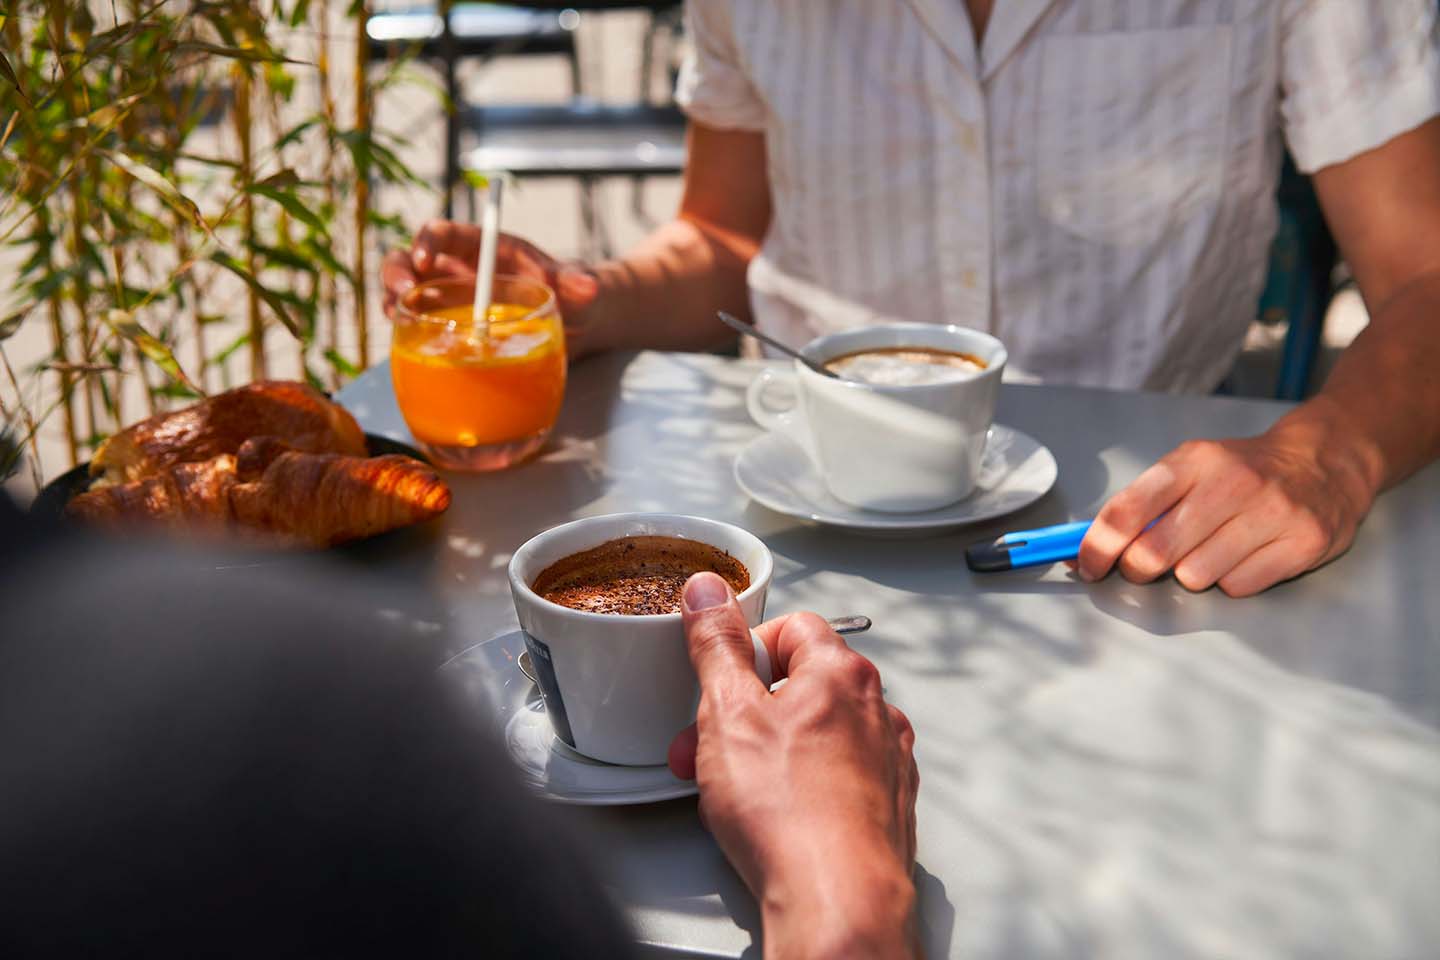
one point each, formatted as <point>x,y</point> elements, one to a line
<point>635,575</point>
<point>905,366</point>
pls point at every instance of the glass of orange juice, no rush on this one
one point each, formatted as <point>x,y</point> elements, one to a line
<point>478,399</point>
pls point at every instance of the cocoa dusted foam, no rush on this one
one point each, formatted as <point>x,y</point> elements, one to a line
<point>636,576</point>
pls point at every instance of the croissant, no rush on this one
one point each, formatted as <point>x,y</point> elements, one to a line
<point>294,412</point>
<point>193,498</point>
<point>271,494</point>
<point>320,500</point>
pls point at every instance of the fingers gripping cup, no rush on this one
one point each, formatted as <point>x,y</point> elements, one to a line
<point>904,427</point>
<point>598,602</point>
<point>478,398</point>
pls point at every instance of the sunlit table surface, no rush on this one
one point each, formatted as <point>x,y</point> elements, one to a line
<point>1107,770</point>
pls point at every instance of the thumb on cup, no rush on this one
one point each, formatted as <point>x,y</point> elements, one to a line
<point>718,637</point>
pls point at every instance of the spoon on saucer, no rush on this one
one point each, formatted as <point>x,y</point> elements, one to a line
<point>741,327</point>
<point>841,625</point>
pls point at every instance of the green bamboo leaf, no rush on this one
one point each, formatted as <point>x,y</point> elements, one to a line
<point>11,324</point>
<point>109,114</point>
<point>279,256</point>
<point>300,13</point>
<point>174,391</point>
<point>230,350</point>
<point>282,180</point>
<point>8,73</point>
<point>124,324</point>
<point>273,300</point>
<point>280,82</point>
<point>280,188</point>
<point>293,205</point>
<point>327,258</point>
<point>166,190</point>
<point>116,36</point>
<point>345,367</point>
<point>249,54</point>
<point>313,378</point>
<point>295,133</point>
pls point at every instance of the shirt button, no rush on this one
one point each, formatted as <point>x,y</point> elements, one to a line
<point>967,278</point>
<point>1061,209</point>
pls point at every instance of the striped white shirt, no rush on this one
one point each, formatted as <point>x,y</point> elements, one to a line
<point>1094,184</point>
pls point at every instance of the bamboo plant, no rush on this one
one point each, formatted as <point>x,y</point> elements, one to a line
<point>171,171</point>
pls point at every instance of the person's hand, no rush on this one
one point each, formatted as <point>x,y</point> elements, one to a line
<point>1243,514</point>
<point>810,792</point>
<point>443,248</point>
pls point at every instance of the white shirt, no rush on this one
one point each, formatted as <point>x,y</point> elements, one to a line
<point>1095,184</point>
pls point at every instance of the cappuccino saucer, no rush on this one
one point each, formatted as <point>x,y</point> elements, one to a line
<point>489,676</point>
<point>776,473</point>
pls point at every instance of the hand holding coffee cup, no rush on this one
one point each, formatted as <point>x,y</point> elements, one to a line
<point>903,429</point>
<point>810,791</point>
<point>599,603</point>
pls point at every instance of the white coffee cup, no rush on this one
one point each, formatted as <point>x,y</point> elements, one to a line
<point>617,687</point>
<point>895,449</point>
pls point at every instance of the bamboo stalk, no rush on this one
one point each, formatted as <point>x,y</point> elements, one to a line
<point>182,250</point>
<point>362,181</point>
<point>67,381</point>
<point>247,219</point>
<point>329,313</point>
<point>80,294</point>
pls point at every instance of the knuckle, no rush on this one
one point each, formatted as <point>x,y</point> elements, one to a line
<point>1194,449</point>
<point>858,672</point>
<point>1122,512</point>
<point>1246,481</point>
<point>899,720</point>
<point>809,623</point>
<point>1312,535</point>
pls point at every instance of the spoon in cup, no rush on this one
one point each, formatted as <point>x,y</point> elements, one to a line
<point>741,327</point>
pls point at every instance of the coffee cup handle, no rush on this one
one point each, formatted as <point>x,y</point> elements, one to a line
<point>786,420</point>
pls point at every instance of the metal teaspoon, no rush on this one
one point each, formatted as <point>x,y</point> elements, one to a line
<point>741,327</point>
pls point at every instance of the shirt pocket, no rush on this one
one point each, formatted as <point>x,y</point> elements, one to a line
<point>1132,130</point>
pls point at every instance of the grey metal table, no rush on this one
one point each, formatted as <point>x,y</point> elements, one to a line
<point>1107,770</point>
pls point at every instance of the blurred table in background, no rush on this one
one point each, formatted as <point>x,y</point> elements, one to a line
<point>1106,769</point>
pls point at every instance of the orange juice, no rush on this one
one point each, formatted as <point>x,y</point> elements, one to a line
<point>458,387</point>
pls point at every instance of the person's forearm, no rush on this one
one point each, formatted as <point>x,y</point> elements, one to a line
<point>1380,407</point>
<point>663,294</point>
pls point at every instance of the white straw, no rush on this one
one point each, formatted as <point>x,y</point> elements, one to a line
<point>489,243</point>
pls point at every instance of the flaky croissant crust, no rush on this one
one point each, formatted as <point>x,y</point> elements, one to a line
<point>293,412</point>
<point>271,494</point>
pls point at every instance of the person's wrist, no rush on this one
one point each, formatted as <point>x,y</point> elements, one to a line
<point>838,899</point>
<point>1324,431</point>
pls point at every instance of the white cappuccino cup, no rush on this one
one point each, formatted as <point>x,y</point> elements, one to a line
<point>618,687</point>
<point>891,447</point>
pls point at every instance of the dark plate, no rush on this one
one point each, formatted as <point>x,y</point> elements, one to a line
<point>50,503</point>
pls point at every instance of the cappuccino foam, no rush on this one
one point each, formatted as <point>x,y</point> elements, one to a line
<point>905,366</point>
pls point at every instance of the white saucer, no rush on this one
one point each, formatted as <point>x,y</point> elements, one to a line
<point>1017,471</point>
<point>489,674</point>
